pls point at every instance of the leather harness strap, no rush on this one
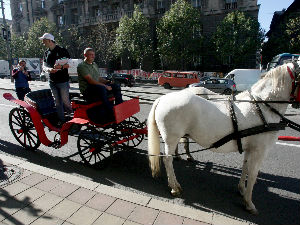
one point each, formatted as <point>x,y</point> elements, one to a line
<point>236,135</point>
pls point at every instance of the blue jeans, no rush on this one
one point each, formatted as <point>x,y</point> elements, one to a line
<point>21,92</point>
<point>60,92</point>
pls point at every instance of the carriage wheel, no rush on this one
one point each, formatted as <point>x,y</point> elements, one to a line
<point>23,129</point>
<point>94,146</point>
<point>126,131</point>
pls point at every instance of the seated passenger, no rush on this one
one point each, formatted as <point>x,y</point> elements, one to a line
<point>95,88</point>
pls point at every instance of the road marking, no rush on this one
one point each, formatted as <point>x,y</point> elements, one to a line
<point>286,144</point>
<point>8,105</point>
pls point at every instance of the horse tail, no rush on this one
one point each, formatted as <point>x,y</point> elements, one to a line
<point>153,141</point>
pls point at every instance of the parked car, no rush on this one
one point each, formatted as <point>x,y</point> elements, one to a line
<point>218,85</point>
<point>171,79</point>
<point>122,79</point>
<point>281,59</point>
<point>244,78</point>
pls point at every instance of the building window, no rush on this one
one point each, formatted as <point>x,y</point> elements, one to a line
<point>74,16</point>
<point>160,4</point>
<point>60,20</point>
<point>230,4</point>
<point>97,11</point>
<point>20,7</point>
<point>43,5</point>
<point>160,7</point>
<point>196,3</point>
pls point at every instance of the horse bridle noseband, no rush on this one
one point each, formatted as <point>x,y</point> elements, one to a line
<point>294,99</point>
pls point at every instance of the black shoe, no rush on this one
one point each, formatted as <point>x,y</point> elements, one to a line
<point>74,129</point>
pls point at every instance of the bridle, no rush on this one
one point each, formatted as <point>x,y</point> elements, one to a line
<point>295,99</point>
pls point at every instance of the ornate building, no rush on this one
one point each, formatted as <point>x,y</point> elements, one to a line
<point>86,13</point>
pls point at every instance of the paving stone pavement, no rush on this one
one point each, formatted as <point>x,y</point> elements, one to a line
<point>39,197</point>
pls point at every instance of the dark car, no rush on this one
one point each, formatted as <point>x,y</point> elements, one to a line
<point>218,85</point>
<point>122,79</point>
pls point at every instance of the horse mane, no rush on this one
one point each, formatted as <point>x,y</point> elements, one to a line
<point>278,82</point>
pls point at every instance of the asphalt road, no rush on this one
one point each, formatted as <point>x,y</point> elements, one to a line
<point>209,183</point>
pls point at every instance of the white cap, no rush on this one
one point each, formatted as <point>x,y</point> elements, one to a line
<point>47,36</point>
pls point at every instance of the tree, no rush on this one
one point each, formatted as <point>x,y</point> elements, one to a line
<point>293,34</point>
<point>237,38</point>
<point>33,46</point>
<point>3,49</point>
<point>101,39</point>
<point>17,45</point>
<point>179,35</point>
<point>133,37</point>
<point>75,41</point>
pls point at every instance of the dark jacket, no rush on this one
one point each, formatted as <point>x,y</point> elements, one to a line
<point>21,80</point>
<point>50,57</point>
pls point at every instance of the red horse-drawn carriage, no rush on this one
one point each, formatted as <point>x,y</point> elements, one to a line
<point>95,141</point>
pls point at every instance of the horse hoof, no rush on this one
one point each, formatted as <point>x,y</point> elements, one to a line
<point>175,193</point>
<point>177,158</point>
<point>253,211</point>
<point>190,159</point>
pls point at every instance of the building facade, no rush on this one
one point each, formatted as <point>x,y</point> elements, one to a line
<point>86,13</point>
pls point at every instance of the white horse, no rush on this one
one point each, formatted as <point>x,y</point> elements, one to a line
<point>179,113</point>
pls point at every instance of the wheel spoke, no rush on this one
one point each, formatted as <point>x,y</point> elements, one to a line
<point>35,135</point>
<point>30,138</point>
<point>18,119</point>
<point>90,157</point>
<point>17,124</point>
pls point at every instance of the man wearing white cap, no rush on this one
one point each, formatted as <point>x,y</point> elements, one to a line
<point>59,76</point>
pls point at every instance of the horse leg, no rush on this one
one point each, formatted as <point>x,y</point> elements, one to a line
<point>187,149</point>
<point>168,161</point>
<point>242,183</point>
<point>254,161</point>
<point>177,157</point>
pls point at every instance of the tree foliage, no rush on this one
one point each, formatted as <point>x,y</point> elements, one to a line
<point>237,37</point>
<point>293,34</point>
<point>33,46</point>
<point>133,37</point>
<point>101,39</point>
<point>75,41</point>
<point>179,35</point>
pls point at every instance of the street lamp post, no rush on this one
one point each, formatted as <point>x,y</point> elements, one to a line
<point>6,36</point>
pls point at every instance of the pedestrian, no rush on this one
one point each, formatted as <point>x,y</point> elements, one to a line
<point>95,88</point>
<point>58,74</point>
<point>21,77</point>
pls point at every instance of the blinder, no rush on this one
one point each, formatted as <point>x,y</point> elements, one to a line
<point>295,94</point>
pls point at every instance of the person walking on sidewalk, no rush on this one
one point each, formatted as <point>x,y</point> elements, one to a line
<point>95,88</point>
<point>58,74</point>
<point>21,77</point>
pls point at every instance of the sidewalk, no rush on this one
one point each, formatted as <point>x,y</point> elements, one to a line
<point>45,196</point>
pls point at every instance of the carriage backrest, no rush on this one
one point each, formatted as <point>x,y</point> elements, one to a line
<point>42,100</point>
